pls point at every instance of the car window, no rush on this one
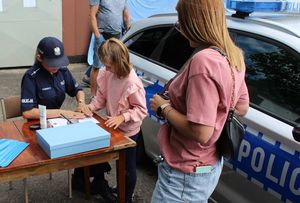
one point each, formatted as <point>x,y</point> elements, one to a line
<point>146,41</point>
<point>162,45</point>
<point>176,50</point>
<point>273,76</point>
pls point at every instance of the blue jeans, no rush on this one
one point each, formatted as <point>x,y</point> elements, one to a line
<point>174,186</point>
<point>96,61</point>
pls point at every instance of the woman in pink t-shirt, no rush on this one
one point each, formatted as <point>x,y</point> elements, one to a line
<point>121,92</point>
<point>199,101</point>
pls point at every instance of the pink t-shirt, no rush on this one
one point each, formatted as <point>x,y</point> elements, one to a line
<point>124,96</point>
<point>202,92</point>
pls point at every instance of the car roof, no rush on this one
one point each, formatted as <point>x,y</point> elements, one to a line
<point>284,28</point>
<point>289,23</point>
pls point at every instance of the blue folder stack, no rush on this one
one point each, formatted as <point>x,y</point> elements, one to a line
<point>72,139</point>
<point>9,150</point>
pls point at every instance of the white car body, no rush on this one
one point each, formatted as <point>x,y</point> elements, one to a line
<point>269,155</point>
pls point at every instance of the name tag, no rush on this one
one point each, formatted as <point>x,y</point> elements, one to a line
<point>203,169</point>
<point>27,101</point>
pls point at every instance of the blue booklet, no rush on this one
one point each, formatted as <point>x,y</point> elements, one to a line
<point>9,150</point>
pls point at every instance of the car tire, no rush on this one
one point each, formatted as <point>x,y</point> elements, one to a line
<point>140,149</point>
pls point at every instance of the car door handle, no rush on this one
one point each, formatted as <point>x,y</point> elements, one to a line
<point>147,82</point>
<point>296,132</point>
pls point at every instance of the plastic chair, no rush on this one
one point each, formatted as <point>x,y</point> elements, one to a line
<point>11,107</point>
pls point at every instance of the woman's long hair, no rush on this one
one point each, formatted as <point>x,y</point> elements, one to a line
<point>116,52</point>
<point>36,61</point>
<point>204,21</point>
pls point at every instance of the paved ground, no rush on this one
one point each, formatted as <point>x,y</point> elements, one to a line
<point>41,189</point>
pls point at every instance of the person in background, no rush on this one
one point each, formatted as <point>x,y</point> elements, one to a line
<point>122,93</point>
<point>48,81</point>
<point>107,18</point>
<point>90,54</point>
<point>198,105</point>
<point>86,76</point>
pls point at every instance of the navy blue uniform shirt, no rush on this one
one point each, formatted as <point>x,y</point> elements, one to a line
<point>41,87</point>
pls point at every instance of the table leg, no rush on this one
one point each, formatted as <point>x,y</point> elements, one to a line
<point>87,184</point>
<point>121,176</point>
<point>70,183</point>
<point>25,190</point>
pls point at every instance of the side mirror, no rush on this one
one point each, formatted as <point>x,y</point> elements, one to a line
<point>296,132</point>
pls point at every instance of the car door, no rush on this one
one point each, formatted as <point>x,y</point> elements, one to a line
<point>269,155</point>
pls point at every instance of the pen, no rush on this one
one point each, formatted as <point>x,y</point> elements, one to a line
<point>69,121</point>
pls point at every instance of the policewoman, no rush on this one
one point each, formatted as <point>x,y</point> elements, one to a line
<point>47,82</point>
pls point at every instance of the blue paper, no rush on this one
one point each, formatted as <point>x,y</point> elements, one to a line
<point>9,150</point>
<point>72,139</point>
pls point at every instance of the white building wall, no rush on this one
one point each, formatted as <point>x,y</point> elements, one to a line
<point>21,28</point>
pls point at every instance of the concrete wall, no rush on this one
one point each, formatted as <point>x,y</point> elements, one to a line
<point>22,27</point>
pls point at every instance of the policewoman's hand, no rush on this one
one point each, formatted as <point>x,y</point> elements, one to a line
<point>80,106</point>
<point>85,110</point>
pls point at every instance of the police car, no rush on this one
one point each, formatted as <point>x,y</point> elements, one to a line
<point>268,166</point>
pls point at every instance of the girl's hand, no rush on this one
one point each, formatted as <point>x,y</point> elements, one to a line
<point>114,121</point>
<point>85,109</point>
<point>156,102</point>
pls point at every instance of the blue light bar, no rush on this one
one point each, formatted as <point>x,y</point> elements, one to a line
<point>249,6</point>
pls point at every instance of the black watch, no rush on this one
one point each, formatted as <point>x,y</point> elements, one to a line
<point>160,109</point>
<point>159,112</point>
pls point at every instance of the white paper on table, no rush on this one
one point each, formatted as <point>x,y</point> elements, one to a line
<point>29,3</point>
<point>1,6</point>
<point>55,122</point>
<point>88,119</point>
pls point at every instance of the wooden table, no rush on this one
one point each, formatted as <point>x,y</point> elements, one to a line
<point>34,161</point>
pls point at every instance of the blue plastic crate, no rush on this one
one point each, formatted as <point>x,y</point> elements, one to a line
<point>72,139</point>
